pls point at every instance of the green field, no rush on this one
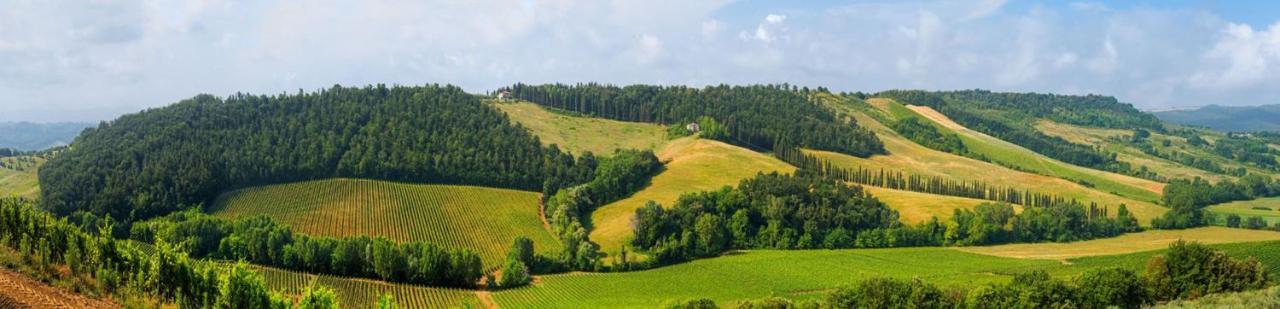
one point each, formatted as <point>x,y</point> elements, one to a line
<point>1246,209</point>
<point>1124,244</point>
<point>1009,154</point>
<point>578,134</point>
<point>1125,152</point>
<point>361,293</point>
<point>803,274</point>
<point>908,157</point>
<point>19,179</point>
<point>692,165</point>
<point>484,220</point>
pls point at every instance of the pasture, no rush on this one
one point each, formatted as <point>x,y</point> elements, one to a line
<point>484,220</point>
<point>692,165</point>
<point>1267,208</point>
<point>20,178</point>
<point>577,134</point>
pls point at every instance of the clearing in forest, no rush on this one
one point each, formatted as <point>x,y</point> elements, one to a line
<point>577,134</point>
<point>484,220</point>
<point>692,165</point>
<point>1127,243</point>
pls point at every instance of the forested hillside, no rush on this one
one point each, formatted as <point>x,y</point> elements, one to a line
<point>754,116</point>
<point>150,163</point>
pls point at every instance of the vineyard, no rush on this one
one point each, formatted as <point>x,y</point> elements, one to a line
<point>485,220</point>
<point>361,293</point>
<point>809,273</point>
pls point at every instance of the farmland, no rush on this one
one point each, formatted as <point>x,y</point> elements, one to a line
<point>1267,208</point>
<point>908,157</point>
<point>484,220</point>
<point>915,207</point>
<point>19,178</point>
<point>360,293</point>
<point>578,134</point>
<point>1125,152</point>
<point>1124,244</point>
<point>692,165</point>
<point>805,274</point>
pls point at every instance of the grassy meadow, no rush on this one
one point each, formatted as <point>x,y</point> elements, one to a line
<point>692,165</point>
<point>577,134</point>
<point>1267,208</point>
<point>916,207</point>
<point>485,220</point>
<point>1124,244</point>
<point>806,274</point>
<point>20,181</point>
<point>908,157</point>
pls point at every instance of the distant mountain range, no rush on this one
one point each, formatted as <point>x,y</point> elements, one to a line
<point>1227,118</point>
<point>38,136</point>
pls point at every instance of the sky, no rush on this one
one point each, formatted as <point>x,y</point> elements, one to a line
<point>96,60</point>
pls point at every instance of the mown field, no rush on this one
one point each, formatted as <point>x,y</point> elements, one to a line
<point>361,293</point>
<point>578,134</point>
<point>692,165</point>
<point>1010,154</point>
<point>1267,208</point>
<point>916,207</point>
<point>908,157</point>
<point>1124,244</point>
<point>19,179</point>
<point>485,220</point>
<point>804,274</point>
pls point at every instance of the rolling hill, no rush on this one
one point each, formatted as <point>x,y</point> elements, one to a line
<point>577,133</point>
<point>1227,118</point>
<point>485,220</point>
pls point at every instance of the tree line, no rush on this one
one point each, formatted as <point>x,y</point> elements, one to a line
<point>166,159</point>
<point>758,116</point>
<point>135,275</point>
<point>618,176</point>
<point>1186,271</point>
<point>260,240</point>
<point>808,210</point>
<point>1186,199</point>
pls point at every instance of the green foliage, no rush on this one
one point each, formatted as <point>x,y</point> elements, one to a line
<point>697,303</point>
<point>926,135</point>
<point>1190,270</point>
<point>319,298</point>
<point>1118,287</point>
<point>165,159</point>
<point>890,293</point>
<point>755,116</point>
<point>616,177</point>
<point>712,129</point>
<point>1233,220</point>
<point>386,301</point>
<point>514,274</point>
<point>1187,199</point>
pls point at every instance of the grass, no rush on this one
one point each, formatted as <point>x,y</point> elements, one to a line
<point>484,220</point>
<point>1009,154</point>
<point>19,181</point>
<point>908,157</point>
<point>809,273</point>
<point>915,207</point>
<point>1128,243</point>
<point>579,134</point>
<point>1265,298</point>
<point>1124,151</point>
<point>360,293</point>
<point>1245,209</point>
<point>692,165</point>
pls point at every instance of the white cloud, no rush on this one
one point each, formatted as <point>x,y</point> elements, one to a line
<point>767,31</point>
<point>648,49</point>
<point>1242,57</point>
<point>985,8</point>
<point>711,28</point>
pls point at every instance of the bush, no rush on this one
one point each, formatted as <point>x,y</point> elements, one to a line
<point>1191,270</point>
<point>514,274</point>
<point>1255,223</point>
<point>699,303</point>
<point>1233,220</point>
<point>319,298</point>
<point>1112,287</point>
<point>890,293</point>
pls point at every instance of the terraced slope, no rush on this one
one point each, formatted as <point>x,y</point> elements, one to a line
<point>1267,208</point>
<point>484,220</point>
<point>577,134</point>
<point>806,274</point>
<point>909,157</point>
<point>1010,154</point>
<point>20,179</point>
<point>692,165</point>
<point>1127,243</point>
<point>1106,138</point>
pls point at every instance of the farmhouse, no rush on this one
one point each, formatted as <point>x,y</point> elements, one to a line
<point>503,95</point>
<point>693,127</point>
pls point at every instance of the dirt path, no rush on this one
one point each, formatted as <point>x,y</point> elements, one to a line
<point>18,291</point>
<point>486,300</point>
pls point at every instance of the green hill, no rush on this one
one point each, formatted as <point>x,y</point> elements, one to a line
<point>18,176</point>
<point>1227,118</point>
<point>578,133</point>
<point>485,220</point>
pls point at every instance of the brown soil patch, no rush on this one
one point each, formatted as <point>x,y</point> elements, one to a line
<point>18,291</point>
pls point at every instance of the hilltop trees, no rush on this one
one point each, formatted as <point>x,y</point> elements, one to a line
<point>758,117</point>
<point>165,159</point>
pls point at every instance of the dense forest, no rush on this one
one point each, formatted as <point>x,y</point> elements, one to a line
<point>1011,117</point>
<point>758,117</point>
<point>808,211</point>
<point>160,160</point>
<point>1185,271</point>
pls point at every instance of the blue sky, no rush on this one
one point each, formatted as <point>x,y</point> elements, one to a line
<point>96,60</point>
